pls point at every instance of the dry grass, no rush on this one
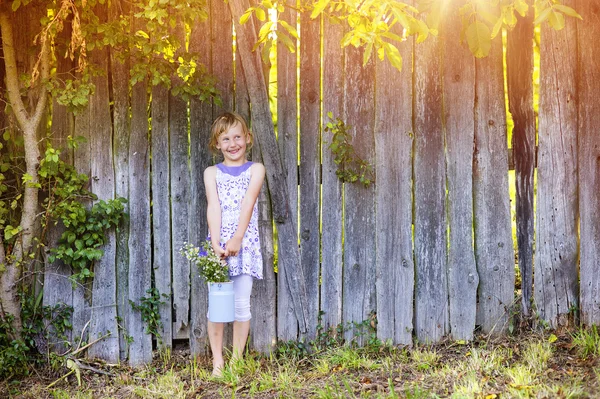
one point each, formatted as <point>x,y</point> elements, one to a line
<point>528,366</point>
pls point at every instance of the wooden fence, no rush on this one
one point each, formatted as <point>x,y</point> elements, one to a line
<point>428,248</point>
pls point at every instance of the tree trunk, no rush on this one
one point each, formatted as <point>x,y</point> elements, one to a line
<point>29,125</point>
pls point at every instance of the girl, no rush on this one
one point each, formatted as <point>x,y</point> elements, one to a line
<point>231,191</point>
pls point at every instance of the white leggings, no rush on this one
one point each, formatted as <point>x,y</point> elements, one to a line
<point>242,288</point>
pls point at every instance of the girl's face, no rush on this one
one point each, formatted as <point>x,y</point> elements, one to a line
<point>232,144</point>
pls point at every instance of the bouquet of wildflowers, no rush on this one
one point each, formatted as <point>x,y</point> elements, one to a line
<point>210,266</point>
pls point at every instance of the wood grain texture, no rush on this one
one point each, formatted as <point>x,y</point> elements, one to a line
<point>359,301</point>
<point>431,282</point>
<point>519,64</point>
<point>264,130</point>
<point>161,209</point>
<point>140,255</point>
<point>201,115</point>
<point>494,251</point>
<point>589,160</point>
<point>287,139</point>
<point>104,301</point>
<point>393,196</point>
<point>263,326</point>
<point>331,197</point>
<point>121,134</point>
<point>310,162</point>
<point>459,126</point>
<point>81,161</point>
<point>556,286</point>
<point>57,286</point>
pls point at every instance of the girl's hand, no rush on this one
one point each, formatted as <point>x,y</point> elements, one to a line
<point>220,252</point>
<point>232,247</point>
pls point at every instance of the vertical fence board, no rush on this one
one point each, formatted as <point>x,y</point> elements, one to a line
<point>263,336</point>
<point>161,215</point>
<point>519,64</point>
<point>359,299</point>
<point>57,286</point>
<point>494,252</point>
<point>140,272</point>
<point>200,158</point>
<point>459,125</point>
<point>431,295</point>
<point>310,161</point>
<point>331,214</point>
<point>104,301</point>
<point>121,132</point>
<point>556,290</point>
<point>589,160</point>
<point>287,137</point>
<point>393,235</point>
<point>82,162</point>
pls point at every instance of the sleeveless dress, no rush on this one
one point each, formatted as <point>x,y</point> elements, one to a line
<point>232,184</point>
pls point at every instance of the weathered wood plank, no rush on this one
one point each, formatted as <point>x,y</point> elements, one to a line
<point>140,272</point>
<point>161,215</point>
<point>222,63</point>
<point>519,64</point>
<point>494,251</point>
<point>201,116</point>
<point>121,132</point>
<point>431,295</point>
<point>459,125</point>
<point>180,202</point>
<point>263,336</point>
<point>589,160</point>
<point>57,286</point>
<point>81,162</point>
<point>310,161</point>
<point>556,288</point>
<point>393,233</point>
<point>264,129</point>
<point>104,301</point>
<point>359,301</point>
<point>331,236</point>
<point>287,138</point>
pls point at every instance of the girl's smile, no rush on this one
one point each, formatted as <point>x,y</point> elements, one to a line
<point>232,144</point>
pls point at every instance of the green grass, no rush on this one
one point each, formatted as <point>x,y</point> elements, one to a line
<point>528,366</point>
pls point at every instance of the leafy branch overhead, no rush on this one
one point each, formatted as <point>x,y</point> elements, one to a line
<point>381,25</point>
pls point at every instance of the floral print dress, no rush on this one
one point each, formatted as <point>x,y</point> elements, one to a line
<point>232,183</point>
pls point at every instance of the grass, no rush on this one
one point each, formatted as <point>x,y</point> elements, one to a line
<point>527,366</point>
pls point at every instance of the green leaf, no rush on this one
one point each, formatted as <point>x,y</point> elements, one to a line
<point>289,28</point>
<point>16,4</point>
<point>285,39</point>
<point>556,20</point>
<point>543,15</point>
<point>260,14</point>
<point>394,56</point>
<point>567,11</point>
<point>246,16</point>
<point>319,7</point>
<point>479,39</point>
<point>521,7</point>
<point>497,28</point>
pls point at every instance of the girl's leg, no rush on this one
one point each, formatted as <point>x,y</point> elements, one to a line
<point>242,287</point>
<point>215,336</point>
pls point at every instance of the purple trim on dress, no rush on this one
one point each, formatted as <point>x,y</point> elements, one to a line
<point>234,170</point>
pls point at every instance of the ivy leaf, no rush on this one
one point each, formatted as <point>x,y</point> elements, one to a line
<point>479,39</point>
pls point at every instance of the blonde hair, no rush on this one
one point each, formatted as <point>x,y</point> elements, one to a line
<point>223,123</point>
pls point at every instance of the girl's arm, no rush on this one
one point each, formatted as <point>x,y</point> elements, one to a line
<point>232,247</point>
<point>213,210</point>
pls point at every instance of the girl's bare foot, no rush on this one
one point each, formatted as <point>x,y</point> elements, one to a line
<point>217,370</point>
